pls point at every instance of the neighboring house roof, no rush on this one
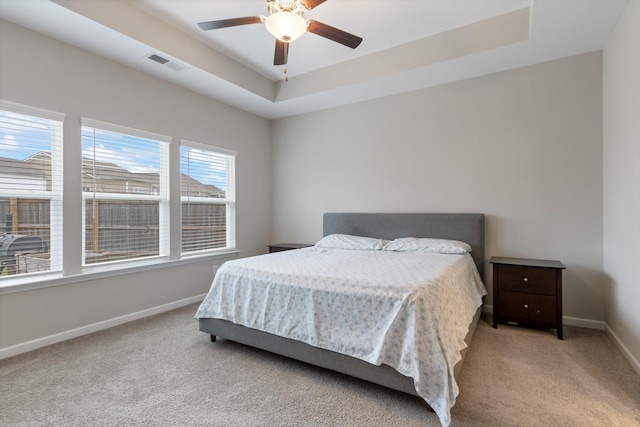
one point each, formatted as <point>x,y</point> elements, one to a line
<point>103,169</point>
<point>193,187</point>
<point>40,155</point>
<point>39,165</point>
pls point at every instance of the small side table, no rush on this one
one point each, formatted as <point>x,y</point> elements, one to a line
<point>527,292</point>
<point>279,247</point>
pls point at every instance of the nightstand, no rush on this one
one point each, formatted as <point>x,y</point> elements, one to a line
<point>527,292</point>
<point>287,247</point>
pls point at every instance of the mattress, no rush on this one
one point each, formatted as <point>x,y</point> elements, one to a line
<point>408,310</point>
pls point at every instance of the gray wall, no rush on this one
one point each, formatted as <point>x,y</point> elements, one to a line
<point>523,147</point>
<point>39,71</point>
<point>621,159</point>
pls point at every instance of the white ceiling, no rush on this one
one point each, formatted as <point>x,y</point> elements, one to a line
<point>408,44</point>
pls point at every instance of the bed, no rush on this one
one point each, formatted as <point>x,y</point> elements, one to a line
<point>407,351</point>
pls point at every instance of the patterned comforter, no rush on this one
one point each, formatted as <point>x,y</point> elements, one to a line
<point>409,310</point>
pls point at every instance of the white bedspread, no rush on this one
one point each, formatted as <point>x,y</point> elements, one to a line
<point>408,310</point>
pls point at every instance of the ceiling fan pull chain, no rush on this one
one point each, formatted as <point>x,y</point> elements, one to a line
<point>286,76</point>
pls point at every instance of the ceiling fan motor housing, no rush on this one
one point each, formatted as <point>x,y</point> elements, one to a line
<point>286,23</point>
<point>293,6</point>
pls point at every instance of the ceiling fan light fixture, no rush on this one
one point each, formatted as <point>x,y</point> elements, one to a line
<point>286,26</point>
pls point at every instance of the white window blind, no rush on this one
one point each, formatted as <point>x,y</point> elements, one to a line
<point>125,187</point>
<point>30,190</point>
<point>208,197</point>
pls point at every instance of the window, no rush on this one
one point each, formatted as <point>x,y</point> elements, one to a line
<point>208,197</point>
<point>30,190</point>
<point>125,182</point>
<point>125,198</point>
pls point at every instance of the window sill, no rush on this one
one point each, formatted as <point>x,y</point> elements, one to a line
<point>40,281</point>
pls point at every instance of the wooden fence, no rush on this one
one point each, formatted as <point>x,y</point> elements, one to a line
<point>119,229</point>
<point>25,216</point>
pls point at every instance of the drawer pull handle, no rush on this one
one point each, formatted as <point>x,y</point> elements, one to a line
<point>526,306</point>
<point>526,279</point>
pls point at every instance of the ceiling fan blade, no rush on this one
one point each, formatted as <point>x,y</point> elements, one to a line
<point>224,23</point>
<point>310,4</point>
<point>334,34</point>
<point>282,53</point>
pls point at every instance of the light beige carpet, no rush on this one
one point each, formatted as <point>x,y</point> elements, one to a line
<point>161,371</point>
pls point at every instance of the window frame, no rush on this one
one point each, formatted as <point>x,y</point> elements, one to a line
<point>163,196</point>
<point>55,195</point>
<point>229,200</point>
<point>68,273</point>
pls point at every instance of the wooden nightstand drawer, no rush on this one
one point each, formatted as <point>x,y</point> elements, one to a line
<point>527,279</point>
<point>527,292</point>
<point>531,308</point>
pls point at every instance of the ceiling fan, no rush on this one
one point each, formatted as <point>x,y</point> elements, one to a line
<point>286,23</point>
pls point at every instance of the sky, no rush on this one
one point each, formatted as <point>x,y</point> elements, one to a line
<point>205,166</point>
<point>22,136</point>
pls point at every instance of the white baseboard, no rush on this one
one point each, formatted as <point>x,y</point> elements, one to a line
<point>567,320</point>
<point>94,327</point>
<point>593,324</point>
<point>584,323</point>
<point>635,364</point>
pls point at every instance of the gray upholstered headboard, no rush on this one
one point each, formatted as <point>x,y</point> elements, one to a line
<point>465,227</point>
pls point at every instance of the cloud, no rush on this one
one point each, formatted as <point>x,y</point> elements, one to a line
<point>137,155</point>
<point>100,153</point>
<point>8,143</point>
<point>206,166</point>
<point>22,136</point>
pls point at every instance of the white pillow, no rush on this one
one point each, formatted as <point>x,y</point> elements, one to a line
<point>346,241</point>
<point>441,246</point>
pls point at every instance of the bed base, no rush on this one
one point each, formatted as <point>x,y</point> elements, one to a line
<point>467,227</point>
<point>382,375</point>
